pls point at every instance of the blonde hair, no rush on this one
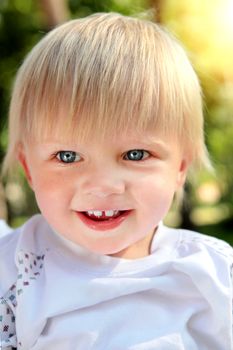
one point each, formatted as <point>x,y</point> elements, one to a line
<point>103,75</point>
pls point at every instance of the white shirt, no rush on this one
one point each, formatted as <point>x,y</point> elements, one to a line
<point>64,297</point>
<point>4,228</point>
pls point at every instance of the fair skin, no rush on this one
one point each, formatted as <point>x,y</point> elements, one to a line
<point>106,176</point>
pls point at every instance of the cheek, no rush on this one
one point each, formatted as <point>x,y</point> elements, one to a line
<point>51,192</point>
<point>154,192</point>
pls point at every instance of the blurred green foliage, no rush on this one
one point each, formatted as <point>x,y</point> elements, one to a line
<point>206,31</point>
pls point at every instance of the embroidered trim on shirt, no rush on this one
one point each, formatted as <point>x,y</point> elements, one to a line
<point>8,304</point>
<point>30,266</point>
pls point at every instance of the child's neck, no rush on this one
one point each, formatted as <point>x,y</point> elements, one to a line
<point>138,250</point>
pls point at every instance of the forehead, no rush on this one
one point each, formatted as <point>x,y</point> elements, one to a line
<point>86,125</point>
<point>128,137</point>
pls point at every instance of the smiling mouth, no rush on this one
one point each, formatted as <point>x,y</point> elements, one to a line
<point>103,220</point>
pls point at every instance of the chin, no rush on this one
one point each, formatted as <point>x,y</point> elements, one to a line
<point>111,251</point>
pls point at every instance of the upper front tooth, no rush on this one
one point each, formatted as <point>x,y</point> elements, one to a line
<point>94,212</point>
<point>97,212</point>
<point>109,212</point>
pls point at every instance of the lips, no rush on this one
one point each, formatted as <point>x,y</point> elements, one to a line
<point>103,222</point>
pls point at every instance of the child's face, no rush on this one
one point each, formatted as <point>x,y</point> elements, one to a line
<point>134,176</point>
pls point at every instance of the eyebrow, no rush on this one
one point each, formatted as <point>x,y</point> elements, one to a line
<point>149,141</point>
<point>157,145</point>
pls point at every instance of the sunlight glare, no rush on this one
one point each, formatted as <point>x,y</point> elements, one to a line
<point>227,15</point>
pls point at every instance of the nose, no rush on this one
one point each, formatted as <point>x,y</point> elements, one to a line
<point>102,183</point>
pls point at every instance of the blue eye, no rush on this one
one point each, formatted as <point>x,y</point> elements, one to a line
<point>68,156</point>
<point>136,155</point>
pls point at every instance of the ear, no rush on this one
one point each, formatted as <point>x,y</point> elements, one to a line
<point>23,161</point>
<point>182,173</point>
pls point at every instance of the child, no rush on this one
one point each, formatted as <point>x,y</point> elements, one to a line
<point>106,119</point>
